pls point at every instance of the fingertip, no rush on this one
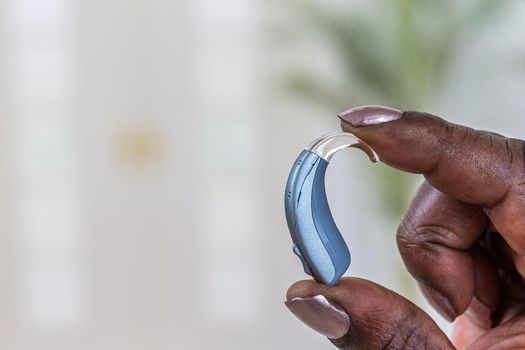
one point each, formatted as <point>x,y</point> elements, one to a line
<point>321,314</point>
<point>301,289</point>
<point>362,314</point>
<point>439,302</point>
<point>407,141</point>
<point>455,159</point>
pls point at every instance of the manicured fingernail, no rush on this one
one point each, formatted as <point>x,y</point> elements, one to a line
<point>321,315</point>
<point>479,313</point>
<point>439,302</point>
<point>370,115</point>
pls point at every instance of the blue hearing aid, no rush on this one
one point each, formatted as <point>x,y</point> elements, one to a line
<point>317,241</point>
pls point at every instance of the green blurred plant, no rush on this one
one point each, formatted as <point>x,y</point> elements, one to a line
<point>398,55</point>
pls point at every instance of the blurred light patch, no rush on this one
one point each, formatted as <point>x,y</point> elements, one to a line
<point>139,147</point>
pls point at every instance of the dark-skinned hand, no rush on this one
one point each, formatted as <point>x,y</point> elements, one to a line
<point>462,239</point>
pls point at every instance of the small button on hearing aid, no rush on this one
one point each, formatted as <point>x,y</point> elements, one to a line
<point>297,252</point>
<point>317,241</point>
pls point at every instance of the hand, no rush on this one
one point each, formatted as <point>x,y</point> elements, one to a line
<point>462,239</point>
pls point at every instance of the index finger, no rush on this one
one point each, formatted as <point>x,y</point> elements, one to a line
<point>472,166</point>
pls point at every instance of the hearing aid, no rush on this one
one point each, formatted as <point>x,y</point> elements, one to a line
<point>316,239</point>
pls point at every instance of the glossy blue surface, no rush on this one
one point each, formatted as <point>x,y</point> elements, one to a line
<point>317,241</point>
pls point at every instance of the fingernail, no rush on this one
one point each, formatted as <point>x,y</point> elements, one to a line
<point>321,315</point>
<point>439,302</point>
<point>479,313</point>
<point>370,115</point>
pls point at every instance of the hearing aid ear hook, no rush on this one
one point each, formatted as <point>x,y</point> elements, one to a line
<point>317,241</point>
<point>328,145</point>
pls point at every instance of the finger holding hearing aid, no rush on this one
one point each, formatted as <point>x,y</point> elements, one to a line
<point>359,314</point>
<point>463,240</point>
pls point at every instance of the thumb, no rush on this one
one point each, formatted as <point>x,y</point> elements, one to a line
<point>359,314</point>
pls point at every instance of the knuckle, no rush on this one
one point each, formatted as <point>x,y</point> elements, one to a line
<point>405,334</point>
<point>518,161</point>
<point>407,237</point>
<point>410,234</point>
<point>406,229</point>
<point>407,338</point>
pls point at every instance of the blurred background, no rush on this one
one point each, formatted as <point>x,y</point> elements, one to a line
<point>145,145</point>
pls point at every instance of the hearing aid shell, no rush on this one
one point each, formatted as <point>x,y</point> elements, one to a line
<point>317,240</point>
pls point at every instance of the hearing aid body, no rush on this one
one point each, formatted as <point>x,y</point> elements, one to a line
<point>317,240</point>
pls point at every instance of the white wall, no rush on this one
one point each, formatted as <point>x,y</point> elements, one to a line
<point>145,147</point>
